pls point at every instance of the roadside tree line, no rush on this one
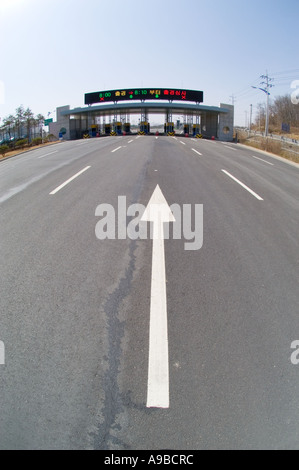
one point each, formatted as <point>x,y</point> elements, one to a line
<point>281,111</point>
<point>23,125</point>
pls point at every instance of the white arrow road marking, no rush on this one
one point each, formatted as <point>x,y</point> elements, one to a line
<point>2,354</point>
<point>158,212</point>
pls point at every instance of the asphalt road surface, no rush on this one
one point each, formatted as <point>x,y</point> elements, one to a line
<point>75,310</point>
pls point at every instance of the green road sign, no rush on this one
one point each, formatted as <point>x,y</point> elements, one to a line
<point>47,121</point>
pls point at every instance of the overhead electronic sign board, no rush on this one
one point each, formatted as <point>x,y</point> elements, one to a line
<point>143,94</point>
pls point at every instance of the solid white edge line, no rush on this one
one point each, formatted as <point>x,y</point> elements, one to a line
<point>253,156</point>
<point>42,156</point>
<point>243,185</point>
<point>197,152</point>
<point>68,181</point>
<point>112,151</point>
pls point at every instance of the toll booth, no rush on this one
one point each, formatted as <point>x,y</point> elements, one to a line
<point>94,130</point>
<point>107,129</point>
<point>117,128</point>
<point>186,129</point>
<point>144,127</point>
<point>127,128</point>
<point>196,130</point>
<point>169,128</point>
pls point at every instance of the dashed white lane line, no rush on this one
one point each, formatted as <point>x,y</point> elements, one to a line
<point>68,181</point>
<point>231,148</point>
<point>182,142</point>
<point>46,154</point>
<point>253,156</point>
<point>197,152</point>
<point>115,150</point>
<point>243,185</point>
<point>130,141</point>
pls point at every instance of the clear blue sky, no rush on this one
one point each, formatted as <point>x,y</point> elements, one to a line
<point>52,52</point>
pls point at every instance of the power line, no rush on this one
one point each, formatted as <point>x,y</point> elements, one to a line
<point>286,71</point>
<point>285,75</point>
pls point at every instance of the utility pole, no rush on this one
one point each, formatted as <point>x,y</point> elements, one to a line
<point>250,119</point>
<point>233,99</point>
<point>268,85</point>
<point>266,81</point>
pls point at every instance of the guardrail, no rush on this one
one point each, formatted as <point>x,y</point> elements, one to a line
<point>280,138</point>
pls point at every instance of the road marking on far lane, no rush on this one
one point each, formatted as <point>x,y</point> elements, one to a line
<point>68,181</point>
<point>231,148</point>
<point>243,185</point>
<point>182,142</point>
<point>272,164</point>
<point>115,150</point>
<point>130,141</point>
<point>197,152</point>
<point>46,154</point>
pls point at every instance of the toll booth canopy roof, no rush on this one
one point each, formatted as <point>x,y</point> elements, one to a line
<point>150,107</point>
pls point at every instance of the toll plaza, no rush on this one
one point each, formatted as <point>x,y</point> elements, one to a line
<point>109,113</point>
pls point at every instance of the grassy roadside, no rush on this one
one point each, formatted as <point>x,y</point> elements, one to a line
<point>282,149</point>
<point>14,152</point>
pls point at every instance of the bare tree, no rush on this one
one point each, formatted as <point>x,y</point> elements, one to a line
<point>281,110</point>
<point>260,119</point>
<point>285,111</point>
